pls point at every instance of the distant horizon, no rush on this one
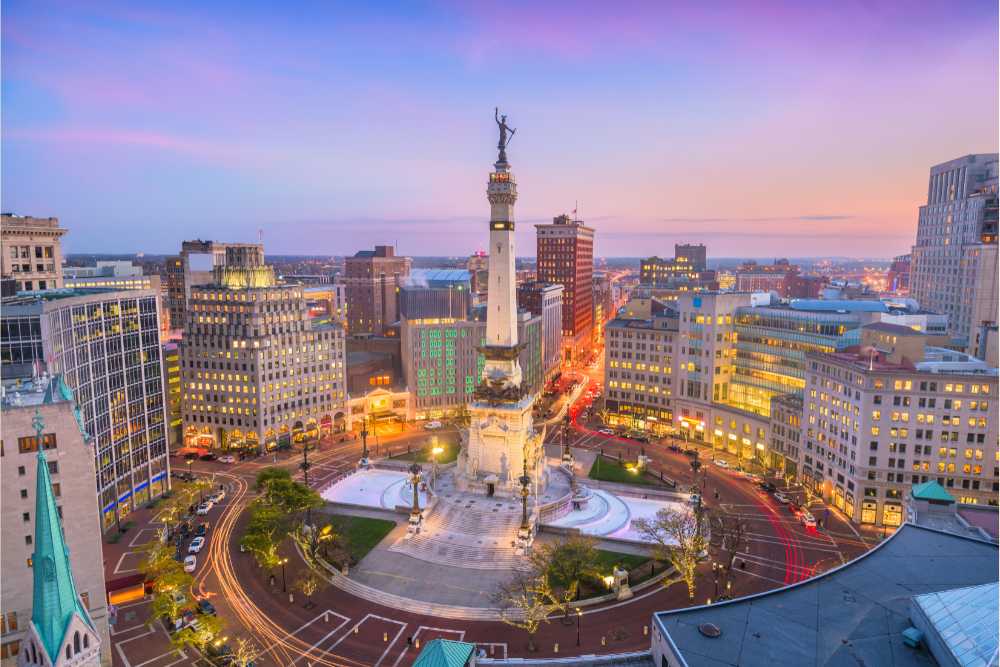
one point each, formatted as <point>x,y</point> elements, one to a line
<point>777,129</point>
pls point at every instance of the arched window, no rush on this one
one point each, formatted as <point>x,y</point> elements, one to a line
<point>69,652</point>
<point>76,642</point>
<point>86,641</point>
<point>34,655</point>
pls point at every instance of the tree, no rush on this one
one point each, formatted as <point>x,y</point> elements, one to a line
<point>678,537</point>
<point>244,653</point>
<point>168,590</point>
<point>270,474</point>
<point>523,602</point>
<point>157,558</point>
<point>200,634</point>
<point>309,582</point>
<point>290,497</point>
<point>566,563</point>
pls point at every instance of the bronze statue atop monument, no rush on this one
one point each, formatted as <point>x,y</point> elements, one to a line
<point>504,129</point>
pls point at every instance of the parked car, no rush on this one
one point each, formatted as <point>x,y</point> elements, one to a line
<point>432,425</point>
<point>207,456</point>
<point>721,463</point>
<point>204,508</point>
<point>190,563</point>
<point>206,607</point>
<point>196,545</point>
<point>807,519</point>
<point>218,496</point>
<point>767,486</point>
<point>606,431</point>
<point>227,458</point>
<point>187,619</point>
<point>781,497</point>
<point>201,530</point>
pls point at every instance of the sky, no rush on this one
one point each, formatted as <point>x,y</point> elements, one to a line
<point>760,129</point>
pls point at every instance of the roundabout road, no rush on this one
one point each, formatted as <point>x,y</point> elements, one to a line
<point>341,629</point>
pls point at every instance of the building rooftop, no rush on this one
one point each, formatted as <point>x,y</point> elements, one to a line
<point>962,624</point>
<point>931,491</point>
<point>437,277</point>
<point>29,392</point>
<point>897,329</point>
<point>854,614</point>
<point>444,653</point>
<point>937,360</point>
<point>39,296</point>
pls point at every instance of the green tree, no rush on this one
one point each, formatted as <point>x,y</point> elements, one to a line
<point>199,635</point>
<point>566,564</point>
<point>267,475</point>
<point>523,602</point>
<point>309,582</point>
<point>678,537</point>
<point>290,497</point>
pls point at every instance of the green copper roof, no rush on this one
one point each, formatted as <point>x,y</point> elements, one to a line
<point>444,653</point>
<point>931,491</point>
<point>54,597</point>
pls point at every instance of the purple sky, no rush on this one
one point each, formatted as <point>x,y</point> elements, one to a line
<point>761,129</point>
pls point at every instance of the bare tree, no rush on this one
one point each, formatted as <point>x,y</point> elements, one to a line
<point>728,535</point>
<point>524,602</point>
<point>678,537</point>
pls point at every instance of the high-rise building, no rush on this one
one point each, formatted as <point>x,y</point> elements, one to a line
<point>31,251</point>
<point>754,277</point>
<point>372,279</point>
<point>443,364</point>
<point>954,265</point>
<point>428,293</point>
<point>479,273</point>
<point>172,391</point>
<point>565,255</point>
<point>53,573</point>
<point>256,371</point>
<point>898,278</point>
<point>894,412</point>
<point>689,266</point>
<point>545,301</point>
<point>107,346</point>
<point>194,266</point>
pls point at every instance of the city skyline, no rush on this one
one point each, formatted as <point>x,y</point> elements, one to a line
<point>723,126</point>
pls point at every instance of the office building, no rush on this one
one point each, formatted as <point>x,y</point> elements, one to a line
<point>784,449</point>
<point>172,391</point>
<point>754,277</point>
<point>31,251</point>
<point>327,301</point>
<point>49,509</point>
<point>894,412</point>
<point>545,301</point>
<point>443,362</point>
<point>954,259</point>
<point>898,277</point>
<point>565,255</point>
<point>429,293</point>
<point>194,266</point>
<point>689,266</point>
<point>117,275</point>
<point>798,286</point>
<point>479,273</point>
<point>372,279</point>
<point>107,347</point>
<point>256,371</point>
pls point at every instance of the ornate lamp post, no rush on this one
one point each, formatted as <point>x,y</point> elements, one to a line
<point>284,587</point>
<point>435,451</point>
<point>363,463</point>
<point>567,455</point>
<point>415,516</point>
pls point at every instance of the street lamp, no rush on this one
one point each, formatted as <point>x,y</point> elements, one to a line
<point>284,588</point>
<point>364,441</point>
<point>415,471</point>
<point>579,616</point>
<point>715,576</point>
<point>435,451</point>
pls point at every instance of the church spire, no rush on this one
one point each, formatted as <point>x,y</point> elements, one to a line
<point>54,596</point>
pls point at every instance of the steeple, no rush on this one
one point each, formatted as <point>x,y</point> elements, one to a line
<point>55,601</point>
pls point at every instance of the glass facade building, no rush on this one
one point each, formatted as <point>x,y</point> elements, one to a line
<point>106,344</point>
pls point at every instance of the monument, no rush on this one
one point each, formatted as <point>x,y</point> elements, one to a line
<point>502,450</point>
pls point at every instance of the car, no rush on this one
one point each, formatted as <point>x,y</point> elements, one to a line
<point>207,456</point>
<point>721,463</point>
<point>606,431</point>
<point>767,486</point>
<point>206,607</point>
<point>227,458</point>
<point>190,563</point>
<point>781,497</point>
<point>218,496</point>
<point>179,598</point>
<point>204,508</point>
<point>201,530</point>
<point>196,545</point>
<point>808,520</point>
<point>187,620</point>
<point>694,499</point>
<point>432,425</point>
<point>794,508</point>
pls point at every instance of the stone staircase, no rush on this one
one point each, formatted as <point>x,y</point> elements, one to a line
<point>467,531</point>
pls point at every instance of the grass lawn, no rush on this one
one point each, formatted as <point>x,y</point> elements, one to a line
<point>607,470</point>
<point>423,455</point>
<point>360,534</point>
<point>609,559</point>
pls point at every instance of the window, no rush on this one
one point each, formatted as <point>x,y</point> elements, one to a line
<point>30,443</point>
<point>27,540</point>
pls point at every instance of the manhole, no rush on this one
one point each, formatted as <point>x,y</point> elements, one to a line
<point>710,630</point>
